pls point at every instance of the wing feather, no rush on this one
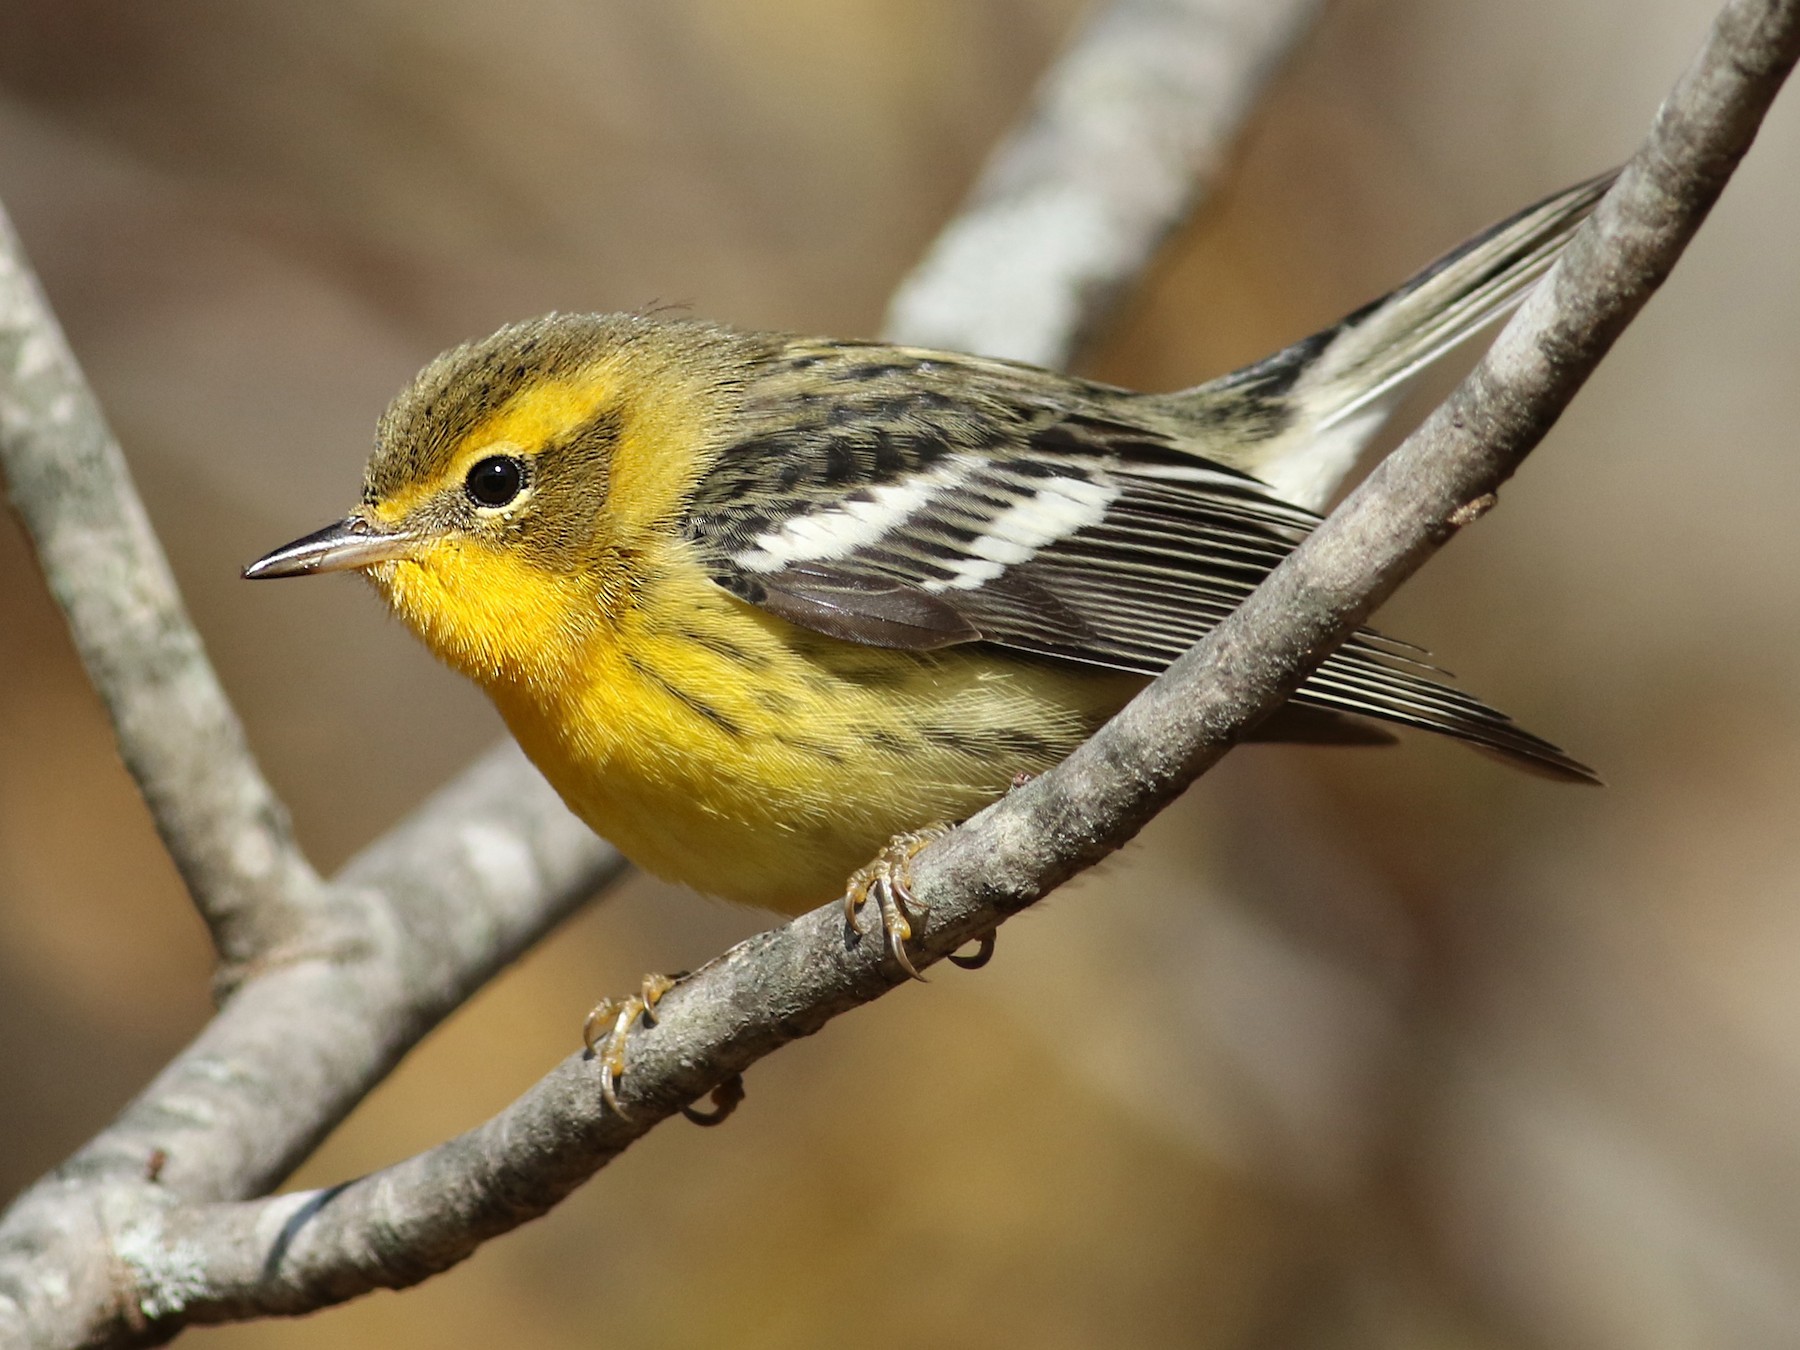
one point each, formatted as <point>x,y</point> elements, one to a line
<point>1034,514</point>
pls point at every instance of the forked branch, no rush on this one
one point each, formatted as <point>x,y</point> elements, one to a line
<point>334,983</point>
<point>298,1252</point>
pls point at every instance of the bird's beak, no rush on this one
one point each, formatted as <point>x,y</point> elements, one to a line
<point>342,547</point>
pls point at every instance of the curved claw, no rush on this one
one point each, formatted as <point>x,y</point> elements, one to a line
<point>888,880</point>
<point>590,1029</point>
<point>726,1098</point>
<point>895,898</point>
<point>609,1092</point>
<point>983,953</point>
<point>610,1048</point>
<point>896,943</point>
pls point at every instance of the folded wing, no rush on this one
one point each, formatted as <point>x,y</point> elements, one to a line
<point>933,500</point>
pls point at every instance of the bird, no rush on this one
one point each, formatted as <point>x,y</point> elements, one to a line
<point>758,604</point>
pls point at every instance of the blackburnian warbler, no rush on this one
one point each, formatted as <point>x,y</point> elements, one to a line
<point>755,604</point>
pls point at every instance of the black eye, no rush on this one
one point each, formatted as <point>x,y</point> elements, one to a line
<point>495,481</point>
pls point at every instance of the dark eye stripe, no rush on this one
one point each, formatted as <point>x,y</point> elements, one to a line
<point>589,446</point>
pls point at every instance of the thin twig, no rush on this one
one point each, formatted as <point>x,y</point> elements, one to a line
<point>299,1252</point>
<point>66,477</point>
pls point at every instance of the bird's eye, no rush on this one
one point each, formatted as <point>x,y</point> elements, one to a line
<point>495,481</point>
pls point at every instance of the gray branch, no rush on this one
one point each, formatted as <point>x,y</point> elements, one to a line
<point>301,1251</point>
<point>444,901</point>
<point>340,981</point>
<point>1128,133</point>
<point>66,477</point>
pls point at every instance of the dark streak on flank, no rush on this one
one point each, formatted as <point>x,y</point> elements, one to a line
<point>777,703</point>
<point>888,743</point>
<point>727,649</point>
<point>689,701</point>
<point>992,743</point>
<point>866,673</point>
<point>1024,745</point>
<point>949,738</point>
<point>813,748</point>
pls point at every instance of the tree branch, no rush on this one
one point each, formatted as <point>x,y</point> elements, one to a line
<point>66,477</point>
<point>429,913</point>
<point>1128,132</point>
<point>299,1252</point>
<point>445,900</point>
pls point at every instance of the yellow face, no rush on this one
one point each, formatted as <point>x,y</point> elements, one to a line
<point>511,532</point>
<point>525,487</point>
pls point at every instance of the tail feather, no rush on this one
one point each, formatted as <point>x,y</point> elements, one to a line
<point>1333,390</point>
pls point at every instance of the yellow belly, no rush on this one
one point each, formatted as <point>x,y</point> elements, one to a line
<point>724,748</point>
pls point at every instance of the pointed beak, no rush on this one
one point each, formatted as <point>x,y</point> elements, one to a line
<point>345,546</point>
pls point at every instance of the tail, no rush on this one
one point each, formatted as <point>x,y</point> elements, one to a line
<point>1322,399</point>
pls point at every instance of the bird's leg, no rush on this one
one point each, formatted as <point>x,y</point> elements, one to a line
<point>609,1048</point>
<point>888,881</point>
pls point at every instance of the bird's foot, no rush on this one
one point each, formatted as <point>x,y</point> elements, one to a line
<point>607,1044</point>
<point>888,881</point>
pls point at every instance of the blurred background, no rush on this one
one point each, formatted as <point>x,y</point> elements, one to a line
<point>1365,1049</point>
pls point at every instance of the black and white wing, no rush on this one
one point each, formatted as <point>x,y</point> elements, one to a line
<point>911,499</point>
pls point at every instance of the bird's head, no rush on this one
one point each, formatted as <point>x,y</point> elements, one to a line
<point>521,485</point>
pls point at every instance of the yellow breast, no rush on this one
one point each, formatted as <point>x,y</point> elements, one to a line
<point>726,749</point>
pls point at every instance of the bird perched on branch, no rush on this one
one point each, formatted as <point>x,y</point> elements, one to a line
<point>755,604</point>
